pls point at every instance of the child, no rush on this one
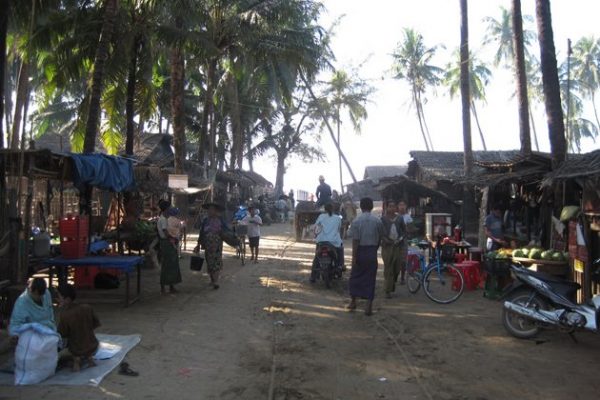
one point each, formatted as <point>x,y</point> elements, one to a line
<point>77,323</point>
<point>174,226</point>
<point>254,222</point>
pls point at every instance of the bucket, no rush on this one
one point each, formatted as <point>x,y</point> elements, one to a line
<point>196,263</point>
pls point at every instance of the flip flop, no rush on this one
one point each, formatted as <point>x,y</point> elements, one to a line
<point>125,370</point>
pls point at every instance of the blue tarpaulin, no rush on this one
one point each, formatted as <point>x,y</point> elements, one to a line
<point>103,172</point>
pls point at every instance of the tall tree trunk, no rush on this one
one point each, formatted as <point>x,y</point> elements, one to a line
<point>416,101</point>
<point>339,155</point>
<point>521,75</point>
<point>281,157</point>
<point>97,87</point>
<point>593,96</point>
<point>206,112</point>
<point>237,145</point>
<point>177,106</point>
<point>422,111</point>
<point>535,138</point>
<point>249,155</point>
<point>4,10</point>
<point>465,93</point>
<point>22,90</point>
<point>474,111</point>
<point>550,82</point>
<point>130,103</point>
<point>328,125</point>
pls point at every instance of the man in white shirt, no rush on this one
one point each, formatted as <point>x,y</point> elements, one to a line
<point>254,223</point>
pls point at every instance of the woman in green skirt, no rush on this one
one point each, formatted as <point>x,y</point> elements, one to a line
<point>170,274</point>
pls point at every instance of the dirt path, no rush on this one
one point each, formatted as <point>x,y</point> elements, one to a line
<point>269,334</point>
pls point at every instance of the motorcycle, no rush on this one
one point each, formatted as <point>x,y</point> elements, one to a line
<point>537,300</point>
<point>327,263</point>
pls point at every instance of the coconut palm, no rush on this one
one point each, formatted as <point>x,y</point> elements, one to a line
<point>479,75</point>
<point>343,93</point>
<point>572,92</point>
<point>586,68</point>
<point>465,91</point>
<point>97,83</point>
<point>412,63</point>
<point>550,82</point>
<point>521,75</point>
<point>512,52</point>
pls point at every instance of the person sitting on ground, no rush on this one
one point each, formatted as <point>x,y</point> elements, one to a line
<point>33,305</point>
<point>323,192</point>
<point>328,228</point>
<point>76,324</point>
<point>254,223</point>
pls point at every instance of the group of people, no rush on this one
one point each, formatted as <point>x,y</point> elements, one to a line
<point>368,234</point>
<point>76,322</point>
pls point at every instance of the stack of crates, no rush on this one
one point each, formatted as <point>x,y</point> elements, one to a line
<point>74,235</point>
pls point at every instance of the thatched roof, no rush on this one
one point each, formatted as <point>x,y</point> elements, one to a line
<point>403,184</point>
<point>376,172</point>
<point>576,166</point>
<point>449,165</point>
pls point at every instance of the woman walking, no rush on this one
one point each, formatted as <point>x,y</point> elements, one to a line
<point>212,228</point>
<point>170,275</point>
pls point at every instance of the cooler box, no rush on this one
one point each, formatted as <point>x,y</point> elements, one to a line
<point>74,235</point>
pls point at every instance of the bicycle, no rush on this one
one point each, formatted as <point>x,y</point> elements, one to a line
<point>442,282</point>
<point>240,252</point>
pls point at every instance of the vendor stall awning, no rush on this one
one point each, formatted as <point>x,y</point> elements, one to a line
<point>103,171</point>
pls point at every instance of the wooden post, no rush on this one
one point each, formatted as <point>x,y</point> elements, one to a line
<point>485,192</point>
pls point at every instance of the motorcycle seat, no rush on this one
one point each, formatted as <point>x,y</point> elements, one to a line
<point>565,287</point>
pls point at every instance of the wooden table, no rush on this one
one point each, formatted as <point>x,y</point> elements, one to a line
<point>558,268</point>
<point>128,264</point>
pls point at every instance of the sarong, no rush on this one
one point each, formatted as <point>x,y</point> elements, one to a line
<point>213,252</point>
<point>169,263</point>
<point>364,273</point>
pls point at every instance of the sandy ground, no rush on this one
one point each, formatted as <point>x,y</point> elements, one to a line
<point>269,334</point>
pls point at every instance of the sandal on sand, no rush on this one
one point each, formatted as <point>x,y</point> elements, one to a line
<point>125,370</point>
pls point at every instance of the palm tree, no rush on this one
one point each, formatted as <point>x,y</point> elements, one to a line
<point>479,76</point>
<point>412,62</point>
<point>578,127</point>
<point>586,68</point>
<point>295,126</point>
<point>97,84</point>
<point>465,92</point>
<point>511,52</point>
<point>550,82</point>
<point>4,10</point>
<point>343,92</point>
<point>520,72</point>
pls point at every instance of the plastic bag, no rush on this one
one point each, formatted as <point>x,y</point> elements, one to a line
<point>36,355</point>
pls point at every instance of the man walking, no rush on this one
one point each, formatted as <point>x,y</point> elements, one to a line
<point>367,232</point>
<point>393,248</point>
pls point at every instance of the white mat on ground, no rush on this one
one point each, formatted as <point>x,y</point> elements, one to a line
<point>113,349</point>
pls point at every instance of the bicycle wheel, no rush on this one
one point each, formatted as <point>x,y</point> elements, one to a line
<point>242,250</point>
<point>444,284</point>
<point>413,280</point>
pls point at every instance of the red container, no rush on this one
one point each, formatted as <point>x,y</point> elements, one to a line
<point>74,235</point>
<point>459,257</point>
<point>471,275</point>
<point>74,226</point>
<point>73,248</point>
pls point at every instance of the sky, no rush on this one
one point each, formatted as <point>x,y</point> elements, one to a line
<point>368,33</point>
